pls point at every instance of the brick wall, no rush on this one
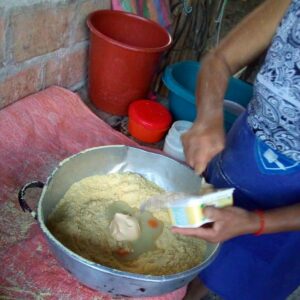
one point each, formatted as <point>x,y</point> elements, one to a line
<point>42,43</point>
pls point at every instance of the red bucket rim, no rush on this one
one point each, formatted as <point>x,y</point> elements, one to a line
<point>126,46</point>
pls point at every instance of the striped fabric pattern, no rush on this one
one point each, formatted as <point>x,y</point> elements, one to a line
<point>156,10</point>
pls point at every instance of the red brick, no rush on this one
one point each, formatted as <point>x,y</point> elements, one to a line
<point>20,85</point>
<point>67,70</point>
<point>40,29</point>
<point>2,40</point>
<point>82,13</point>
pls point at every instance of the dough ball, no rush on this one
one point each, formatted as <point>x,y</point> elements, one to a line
<point>124,228</point>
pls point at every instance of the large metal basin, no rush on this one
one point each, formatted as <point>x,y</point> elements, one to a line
<point>166,172</point>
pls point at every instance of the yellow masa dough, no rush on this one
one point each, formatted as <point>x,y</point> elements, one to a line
<point>80,222</point>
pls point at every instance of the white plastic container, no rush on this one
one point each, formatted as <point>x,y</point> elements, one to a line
<point>173,145</point>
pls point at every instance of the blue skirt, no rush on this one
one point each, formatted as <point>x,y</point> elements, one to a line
<point>252,267</point>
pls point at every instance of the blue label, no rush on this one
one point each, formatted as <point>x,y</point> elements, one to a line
<point>180,216</point>
<point>271,161</point>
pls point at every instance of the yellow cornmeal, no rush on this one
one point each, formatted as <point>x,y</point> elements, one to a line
<point>80,222</point>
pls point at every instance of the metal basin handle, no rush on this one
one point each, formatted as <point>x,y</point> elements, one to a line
<point>21,196</point>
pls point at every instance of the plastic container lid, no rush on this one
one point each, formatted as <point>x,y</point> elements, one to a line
<point>150,114</point>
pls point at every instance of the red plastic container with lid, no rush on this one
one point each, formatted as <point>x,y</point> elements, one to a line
<point>148,121</point>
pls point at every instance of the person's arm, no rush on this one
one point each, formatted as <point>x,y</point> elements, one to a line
<point>241,46</point>
<point>230,222</point>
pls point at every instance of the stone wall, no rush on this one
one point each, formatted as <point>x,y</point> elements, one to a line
<point>43,43</point>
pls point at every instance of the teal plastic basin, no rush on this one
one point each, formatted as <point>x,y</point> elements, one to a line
<point>180,79</point>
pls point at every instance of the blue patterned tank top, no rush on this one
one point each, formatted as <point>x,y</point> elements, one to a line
<point>274,111</point>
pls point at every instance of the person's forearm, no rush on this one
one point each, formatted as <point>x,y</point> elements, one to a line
<point>275,220</point>
<point>243,44</point>
<point>253,34</point>
<point>212,84</point>
<point>282,219</point>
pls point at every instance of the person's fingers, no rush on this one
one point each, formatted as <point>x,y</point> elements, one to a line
<point>199,151</point>
<point>198,159</point>
<point>199,168</point>
<point>212,213</point>
<point>204,233</point>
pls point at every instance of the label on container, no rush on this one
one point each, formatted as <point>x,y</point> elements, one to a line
<point>190,213</point>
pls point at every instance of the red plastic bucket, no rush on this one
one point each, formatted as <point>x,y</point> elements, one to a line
<point>124,54</point>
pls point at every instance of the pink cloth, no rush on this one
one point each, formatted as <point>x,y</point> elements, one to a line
<point>36,133</point>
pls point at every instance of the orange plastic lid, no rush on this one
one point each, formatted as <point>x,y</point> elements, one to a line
<point>150,114</point>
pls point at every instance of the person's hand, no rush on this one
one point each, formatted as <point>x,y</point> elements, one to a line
<point>227,223</point>
<point>201,143</point>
